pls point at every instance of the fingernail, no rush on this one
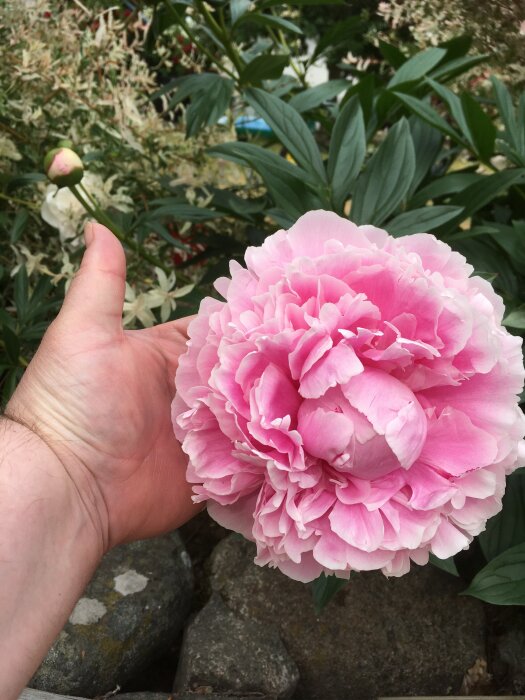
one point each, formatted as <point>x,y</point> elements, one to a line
<point>89,233</point>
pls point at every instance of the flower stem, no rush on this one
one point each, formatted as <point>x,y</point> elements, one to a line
<point>94,210</point>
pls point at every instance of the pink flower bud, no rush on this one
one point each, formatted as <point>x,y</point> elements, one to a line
<point>63,167</point>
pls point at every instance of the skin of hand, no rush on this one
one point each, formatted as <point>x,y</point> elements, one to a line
<point>99,397</point>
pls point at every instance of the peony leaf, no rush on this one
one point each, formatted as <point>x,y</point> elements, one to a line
<point>383,185</point>
<point>417,66</point>
<point>448,565</point>
<point>423,220</point>
<point>427,145</point>
<point>313,97</point>
<point>291,130</point>
<point>428,114</point>
<point>264,67</point>
<point>507,528</point>
<point>324,588</point>
<point>482,130</point>
<point>502,581</point>
<point>347,150</point>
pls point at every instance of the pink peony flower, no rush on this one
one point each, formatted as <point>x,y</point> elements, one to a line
<point>352,405</point>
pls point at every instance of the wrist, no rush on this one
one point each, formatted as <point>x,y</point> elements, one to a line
<point>34,469</point>
<point>49,549</point>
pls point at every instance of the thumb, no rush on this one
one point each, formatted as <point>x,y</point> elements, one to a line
<point>96,295</point>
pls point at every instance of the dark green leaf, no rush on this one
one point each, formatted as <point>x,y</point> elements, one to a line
<point>507,528</point>
<point>290,129</point>
<point>502,581</point>
<point>507,112</point>
<point>423,220</point>
<point>448,565</point>
<point>238,8</point>
<point>270,21</point>
<point>457,47</point>
<point>480,127</point>
<point>427,145</point>
<point>313,97</point>
<point>11,344</point>
<point>455,106</point>
<point>275,3</point>
<point>386,179</point>
<point>19,225</point>
<point>428,114</point>
<point>448,184</point>
<point>336,35</point>
<point>26,179</point>
<point>452,69</point>
<point>417,66</point>
<point>181,212</point>
<point>289,185</point>
<point>347,151</point>
<point>480,193</point>
<point>281,217</point>
<point>208,106</point>
<point>491,262</point>
<point>266,67</point>
<point>21,292</point>
<point>392,54</point>
<point>324,588</point>
<point>516,319</point>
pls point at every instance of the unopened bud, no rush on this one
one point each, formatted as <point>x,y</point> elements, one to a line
<point>63,167</point>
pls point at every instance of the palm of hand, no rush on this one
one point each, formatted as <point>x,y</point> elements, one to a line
<point>101,397</point>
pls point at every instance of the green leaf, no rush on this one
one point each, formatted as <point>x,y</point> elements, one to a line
<point>448,565</point>
<point>21,293</point>
<point>270,21</point>
<point>507,112</point>
<point>210,95</point>
<point>337,34</point>
<point>182,212</point>
<point>502,581</point>
<point>417,66</point>
<point>347,151</point>
<point>452,69</point>
<point>480,127</point>
<point>313,97</point>
<point>455,106</point>
<point>507,528</point>
<point>480,193</point>
<point>457,47</point>
<point>427,145</point>
<point>265,67</point>
<point>442,186</point>
<point>238,8</point>
<point>11,345</point>
<point>208,106</point>
<point>423,220</point>
<point>386,179</point>
<point>290,129</point>
<point>428,114</point>
<point>19,225</point>
<point>392,54</point>
<point>275,3</point>
<point>26,179</point>
<point>289,186</point>
<point>516,319</point>
<point>324,588</point>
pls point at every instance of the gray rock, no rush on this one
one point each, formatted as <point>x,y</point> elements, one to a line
<point>510,649</point>
<point>135,606</point>
<point>389,637</point>
<point>143,696</point>
<point>222,652</point>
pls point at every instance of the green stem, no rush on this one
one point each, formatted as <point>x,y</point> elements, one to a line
<point>192,37</point>
<point>94,210</point>
<point>22,202</point>
<point>295,68</point>
<point>222,35</point>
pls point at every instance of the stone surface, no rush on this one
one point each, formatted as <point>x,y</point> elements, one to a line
<point>508,652</point>
<point>378,637</point>
<point>135,606</point>
<point>143,696</point>
<point>225,653</point>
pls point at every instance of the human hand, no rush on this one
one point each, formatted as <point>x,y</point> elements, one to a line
<point>99,396</point>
